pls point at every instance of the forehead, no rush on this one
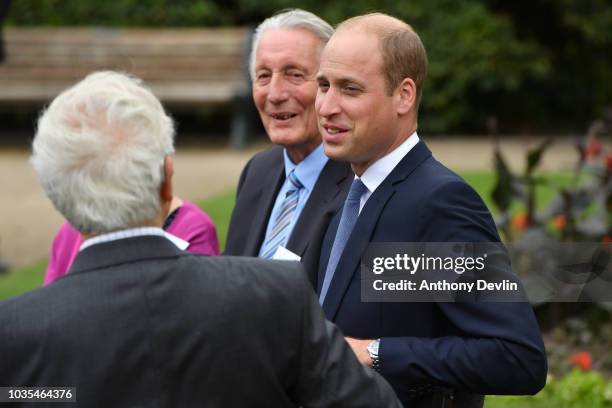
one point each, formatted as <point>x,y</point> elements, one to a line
<point>352,52</point>
<point>283,47</point>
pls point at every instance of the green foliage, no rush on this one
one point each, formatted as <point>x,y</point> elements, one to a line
<point>151,13</point>
<point>485,185</point>
<point>543,234</point>
<point>493,64</point>
<point>577,389</point>
<point>579,212</point>
<point>576,39</point>
<point>474,61</point>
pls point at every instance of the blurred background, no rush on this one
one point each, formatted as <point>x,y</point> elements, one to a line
<point>518,100</point>
<point>539,66</point>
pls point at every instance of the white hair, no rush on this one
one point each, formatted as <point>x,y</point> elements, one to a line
<point>99,152</point>
<point>290,19</point>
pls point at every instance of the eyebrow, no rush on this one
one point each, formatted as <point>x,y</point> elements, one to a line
<point>345,81</point>
<point>283,68</point>
<point>340,81</point>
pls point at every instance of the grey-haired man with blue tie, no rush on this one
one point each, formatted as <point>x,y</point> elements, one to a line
<point>287,194</point>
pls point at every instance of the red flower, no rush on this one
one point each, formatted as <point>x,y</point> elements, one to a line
<point>593,148</point>
<point>608,161</point>
<point>520,221</point>
<point>607,239</point>
<point>582,359</point>
<point>559,222</point>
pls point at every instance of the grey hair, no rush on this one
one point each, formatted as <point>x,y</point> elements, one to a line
<point>99,152</point>
<point>290,19</point>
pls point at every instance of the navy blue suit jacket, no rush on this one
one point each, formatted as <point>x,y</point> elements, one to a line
<point>472,348</point>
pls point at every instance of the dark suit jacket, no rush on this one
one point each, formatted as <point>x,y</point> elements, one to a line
<point>258,187</point>
<point>138,323</point>
<point>472,348</point>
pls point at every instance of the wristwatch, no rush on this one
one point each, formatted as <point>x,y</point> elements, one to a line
<point>373,351</point>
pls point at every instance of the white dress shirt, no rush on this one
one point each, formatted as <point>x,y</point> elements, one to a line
<point>134,232</point>
<point>381,168</point>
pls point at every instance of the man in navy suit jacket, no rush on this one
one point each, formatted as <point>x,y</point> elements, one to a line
<point>370,84</point>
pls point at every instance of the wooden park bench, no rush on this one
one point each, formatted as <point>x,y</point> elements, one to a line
<point>185,68</point>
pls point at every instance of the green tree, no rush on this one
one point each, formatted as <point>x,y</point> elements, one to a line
<point>542,65</point>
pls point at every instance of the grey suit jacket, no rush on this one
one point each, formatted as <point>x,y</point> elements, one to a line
<point>258,187</point>
<point>138,323</point>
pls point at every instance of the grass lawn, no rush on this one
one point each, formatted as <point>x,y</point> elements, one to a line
<point>484,182</point>
<point>22,280</point>
<point>220,208</point>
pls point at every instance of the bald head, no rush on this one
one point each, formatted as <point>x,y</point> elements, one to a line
<point>403,54</point>
<point>378,23</point>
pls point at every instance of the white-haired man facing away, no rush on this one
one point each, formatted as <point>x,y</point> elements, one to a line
<point>137,321</point>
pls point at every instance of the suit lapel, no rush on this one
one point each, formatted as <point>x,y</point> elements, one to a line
<point>328,241</point>
<point>364,228</point>
<point>320,204</point>
<point>267,197</point>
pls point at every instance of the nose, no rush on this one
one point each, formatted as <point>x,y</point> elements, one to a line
<point>326,103</point>
<point>277,91</point>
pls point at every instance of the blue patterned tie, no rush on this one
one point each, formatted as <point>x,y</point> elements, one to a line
<point>279,234</point>
<point>350,212</point>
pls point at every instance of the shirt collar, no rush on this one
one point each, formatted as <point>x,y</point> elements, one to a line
<point>134,232</point>
<point>308,170</point>
<point>380,169</point>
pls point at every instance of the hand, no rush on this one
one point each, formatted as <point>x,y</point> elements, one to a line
<point>360,348</point>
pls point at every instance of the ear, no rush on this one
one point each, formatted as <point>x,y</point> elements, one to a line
<point>165,190</point>
<point>406,96</point>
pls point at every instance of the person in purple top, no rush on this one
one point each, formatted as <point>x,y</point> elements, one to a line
<point>186,221</point>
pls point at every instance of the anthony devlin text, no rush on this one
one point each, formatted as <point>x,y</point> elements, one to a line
<point>444,285</point>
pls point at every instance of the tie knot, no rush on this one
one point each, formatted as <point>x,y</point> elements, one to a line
<point>357,190</point>
<point>295,183</point>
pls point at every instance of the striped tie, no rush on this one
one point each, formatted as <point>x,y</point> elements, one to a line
<point>279,234</point>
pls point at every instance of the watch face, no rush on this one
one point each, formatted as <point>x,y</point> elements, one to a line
<point>373,347</point>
